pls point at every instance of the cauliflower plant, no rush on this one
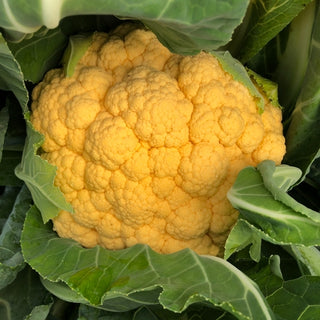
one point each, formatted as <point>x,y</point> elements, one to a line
<point>147,143</point>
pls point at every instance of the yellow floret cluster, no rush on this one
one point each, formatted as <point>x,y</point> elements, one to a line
<point>147,143</point>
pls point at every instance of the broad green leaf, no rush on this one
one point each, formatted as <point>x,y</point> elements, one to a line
<point>267,169</point>
<point>11,260</point>
<point>39,175</point>
<point>4,119</point>
<point>284,177</point>
<point>125,279</point>
<point>264,20</point>
<point>18,299</point>
<point>273,219</point>
<point>39,312</point>
<point>297,299</point>
<point>63,292</point>
<point>302,136</point>
<point>240,237</point>
<point>40,53</point>
<point>267,275</point>
<point>239,73</point>
<point>11,77</point>
<point>184,26</point>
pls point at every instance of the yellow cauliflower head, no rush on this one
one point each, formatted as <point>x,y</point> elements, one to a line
<point>147,143</point>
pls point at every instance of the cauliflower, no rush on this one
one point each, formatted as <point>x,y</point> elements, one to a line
<point>147,143</point>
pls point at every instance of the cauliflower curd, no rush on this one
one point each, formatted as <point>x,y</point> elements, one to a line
<point>147,143</point>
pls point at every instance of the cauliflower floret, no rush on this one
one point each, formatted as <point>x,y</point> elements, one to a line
<point>147,143</point>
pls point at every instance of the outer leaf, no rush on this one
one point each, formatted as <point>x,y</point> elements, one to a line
<point>267,170</point>
<point>184,26</point>
<point>267,275</point>
<point>19,298</point>
<point>302,137</point>
<point>110,277</point>
<point>11,260</point>
<point>40,53</point>
<point>39,175</point>
<point>11,77</point>
<point>242,236</point>
<point>291,299</point>
<point>264,20</point>
<point>274,219</point>
<point>297,299</point>
<point>39,312</point>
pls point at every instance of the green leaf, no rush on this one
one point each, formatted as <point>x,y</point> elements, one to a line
<point>264,20</point>
<point>125,279</point>
<point>39,53</point>
<point>77,47</point>
<point>284,174</point>
<point>275,221</point>
<point>302,136</point>
<point>63,292</point>
<point>240,237</point>
<point>11,260</point>
<point>39,312</point>
<point>267,275</point>
<point>39,175</point>
<point>18,299</point>
<point>297,299</point>
<point>184,26</point>
<point>11,77</point>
